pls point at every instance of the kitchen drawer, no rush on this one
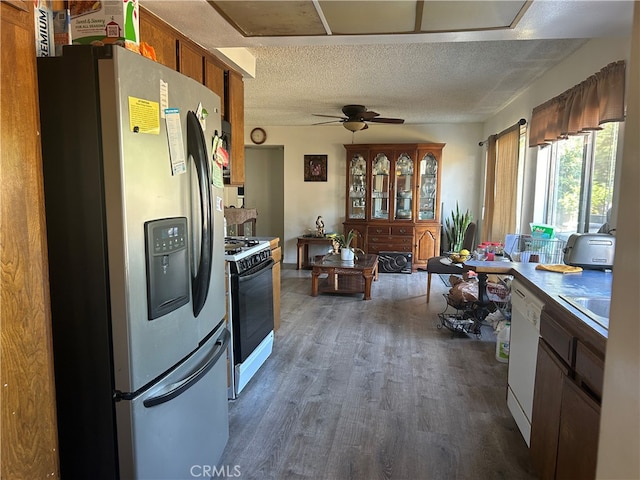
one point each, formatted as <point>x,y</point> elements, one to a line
<point>389,247</point>
<point>379,230</point>
<point>557,337</point>
<point>589,369</point>
<point>402,231</point>
<point>391,240</point>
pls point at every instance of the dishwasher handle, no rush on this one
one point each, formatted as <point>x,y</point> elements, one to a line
<point>526,304</point>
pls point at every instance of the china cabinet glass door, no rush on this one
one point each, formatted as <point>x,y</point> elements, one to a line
<point>357,203</point>
<point>428,187</point>
<point>380,187</point>
<point>404,187</point>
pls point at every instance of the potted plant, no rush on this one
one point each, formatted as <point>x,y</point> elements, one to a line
<point>455,228</point>
<point>343,243</point>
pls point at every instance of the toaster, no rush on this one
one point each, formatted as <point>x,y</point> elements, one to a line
<point>590,250</point>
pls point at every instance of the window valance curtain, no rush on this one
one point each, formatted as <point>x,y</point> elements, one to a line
<point>597,100</point>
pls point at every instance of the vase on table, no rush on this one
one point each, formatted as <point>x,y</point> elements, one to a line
<point>347,255</point>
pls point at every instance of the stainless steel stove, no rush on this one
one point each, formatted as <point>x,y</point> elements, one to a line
<point>250,265</point>
<point>238,248</point>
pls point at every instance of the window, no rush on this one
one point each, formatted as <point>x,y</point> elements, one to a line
<point>581,172</point>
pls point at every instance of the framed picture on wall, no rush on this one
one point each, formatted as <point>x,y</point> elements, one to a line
<point>315,168</point>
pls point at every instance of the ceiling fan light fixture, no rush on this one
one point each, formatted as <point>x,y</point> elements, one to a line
<point>354,125</point>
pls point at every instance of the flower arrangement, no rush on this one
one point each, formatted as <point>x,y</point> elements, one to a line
<point>340,241</point>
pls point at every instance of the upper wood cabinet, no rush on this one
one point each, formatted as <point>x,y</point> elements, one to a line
<point>235,116</point>
<point>392,195</point>
<point>179,53</point>
<point>214,81</point>
<point>191,61</point>
<point>164,41</point>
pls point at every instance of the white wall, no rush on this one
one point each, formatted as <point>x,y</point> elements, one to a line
<point>304,201</point>
<point>620,422</point>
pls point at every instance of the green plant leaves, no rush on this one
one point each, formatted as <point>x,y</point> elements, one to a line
<point>455,228</point>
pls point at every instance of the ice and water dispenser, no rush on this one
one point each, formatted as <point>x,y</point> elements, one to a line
<point>167,259</point>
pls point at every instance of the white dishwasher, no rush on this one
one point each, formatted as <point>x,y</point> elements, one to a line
<point>525,332</point>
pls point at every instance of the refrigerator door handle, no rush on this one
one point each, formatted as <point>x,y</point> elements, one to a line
<point>174,389</point>
<point>197,149</point>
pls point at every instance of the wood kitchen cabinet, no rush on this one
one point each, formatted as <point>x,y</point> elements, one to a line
<point>276,254</point>
<point>178,52</point>
<point>566,403</point>
<point>191,61</point>
<point>29,436</point>
<point>235,116</point>
<point>392,198</point>
<point>164,41</point>
<point>214,80</point>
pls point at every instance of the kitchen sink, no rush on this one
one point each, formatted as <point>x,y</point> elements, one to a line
<point>596,308</point>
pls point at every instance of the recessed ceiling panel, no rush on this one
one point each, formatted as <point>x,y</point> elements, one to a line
<point>438,16</point>
<point>272,18</point>
<point>362,18</point>
<point>300,18</point>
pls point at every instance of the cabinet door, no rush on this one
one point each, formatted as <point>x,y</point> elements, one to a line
<point>357,174</point>
<point>427,244</point>
<point>403,186</point>
<point>214,80</point>
<point>276,254</point>
<point>579,430</point>
<point>235,116</point>
<point>380,184</point>
<point>428,186</point>
<point>191,61</point>
<point>545,418</point>
<point>29,437</point>
<point>160,36</point>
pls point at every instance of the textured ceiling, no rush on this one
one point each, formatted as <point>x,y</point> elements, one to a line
<point>444,77</point>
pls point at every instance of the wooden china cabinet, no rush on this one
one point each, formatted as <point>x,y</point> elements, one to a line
<point>393,193</point>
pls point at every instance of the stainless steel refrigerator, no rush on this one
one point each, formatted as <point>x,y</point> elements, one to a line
<point>136,244</point>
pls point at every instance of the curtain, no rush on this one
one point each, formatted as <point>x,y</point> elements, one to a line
<point>586,106</point>
<point>489,189</point>
<point>501,185</point>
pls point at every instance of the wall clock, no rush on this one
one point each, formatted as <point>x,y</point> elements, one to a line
<point>258,135</point>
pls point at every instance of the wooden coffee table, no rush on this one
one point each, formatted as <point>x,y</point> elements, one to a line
<point>344,277</point>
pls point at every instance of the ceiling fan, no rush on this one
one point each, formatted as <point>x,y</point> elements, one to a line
<point>356,118</point>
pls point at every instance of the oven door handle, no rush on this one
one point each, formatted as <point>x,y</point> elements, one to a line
<point>254,273</point>
<point>197,150</point>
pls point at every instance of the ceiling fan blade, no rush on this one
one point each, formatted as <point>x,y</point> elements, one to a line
<point>330,121</point>
<point>387,120</point>
<point>368,115</point>
<point>328,116</point>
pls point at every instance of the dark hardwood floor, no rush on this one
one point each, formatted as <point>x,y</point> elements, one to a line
<point>374,390</point>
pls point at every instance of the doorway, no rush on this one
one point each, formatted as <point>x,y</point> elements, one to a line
<point>264,188</point>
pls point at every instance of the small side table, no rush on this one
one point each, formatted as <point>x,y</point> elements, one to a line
<point>343,277</point>
<point>303,249</point>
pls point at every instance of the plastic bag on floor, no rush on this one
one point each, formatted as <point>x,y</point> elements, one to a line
<point>496,320</point>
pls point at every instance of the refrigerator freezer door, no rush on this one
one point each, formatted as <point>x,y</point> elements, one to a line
<point>179,427</point>
<point>139,187</point>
